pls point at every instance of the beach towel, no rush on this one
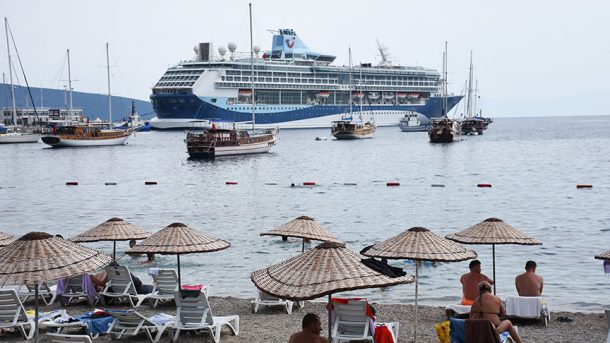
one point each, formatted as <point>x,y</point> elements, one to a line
<point>456,330</point>
<point>383,334</point>
<point>97,322</point>
<point>153,271</point>
<point>607,266</point>
<point>458,308</point>
<point>87,285</point>
<point>442,331</point>
<point>480,331</point>
<point>524,307</point>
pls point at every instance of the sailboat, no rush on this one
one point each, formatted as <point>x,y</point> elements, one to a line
<point>347,128</point>
<point>444,129</point>
<point>224,139</point>
<point>471,125</point>
<point>14,134</point>
<point>87,135</point>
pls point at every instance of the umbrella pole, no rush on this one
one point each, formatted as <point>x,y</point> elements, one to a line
<point>303,246</point>
<point>114,251</point>
<point>493,251</point>
<point>36,313</point>
<point>416,297</point>
<point>179,276</point>
<point>329,308</point>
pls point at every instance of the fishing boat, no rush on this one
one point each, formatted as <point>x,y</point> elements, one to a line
<point>411,123</point>
<point>444,129</point>
<point>134,122</point>
<point>88,135</point>
<point>225,139</point>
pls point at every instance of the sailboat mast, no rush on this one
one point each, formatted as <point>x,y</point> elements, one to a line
<point>109,95</point>
<point>360,90</point>
<point>252,70</point>
<point>444,102</point>
<point>69,86</point>
<point>469,100</point>
<point>10,73</point>
<point>476,95</point>
<point>350,81</point>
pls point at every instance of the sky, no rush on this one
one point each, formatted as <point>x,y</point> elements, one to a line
<point>531,58</point>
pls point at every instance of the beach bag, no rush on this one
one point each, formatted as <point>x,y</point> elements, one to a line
<point>442,331</point>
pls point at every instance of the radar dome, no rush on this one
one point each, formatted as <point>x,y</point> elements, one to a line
<point>196,49</point>
<point>222,50</point>
<point>232,47</point>
<point>256,49</point>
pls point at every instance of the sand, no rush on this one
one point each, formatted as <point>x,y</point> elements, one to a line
<point>272,324</point>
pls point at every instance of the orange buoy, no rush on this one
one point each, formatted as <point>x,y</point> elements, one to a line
<point>309,183</point>
<point>484,185</point>
<point>392,184</point>
<point>71,183</point>
<point>150,183</point>
<point>231,183</point>
<point>584,186</point>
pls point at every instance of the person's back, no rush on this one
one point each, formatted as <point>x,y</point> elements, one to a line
<point>490,307</point>
<point>470,282</point>
<point>529,284</point>
<point>311,331</point>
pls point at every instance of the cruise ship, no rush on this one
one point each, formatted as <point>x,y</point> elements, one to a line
<point>294,87</point>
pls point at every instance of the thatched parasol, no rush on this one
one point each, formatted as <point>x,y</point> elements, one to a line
<point>303,227</point>
<point>492,231</point>
<point>603,256</point>
<point>113,229</point>
<point>177,239</point>
<point>38,256</point>
<point>323,270</point>
<point>6,239</point>
<point>419,244</point>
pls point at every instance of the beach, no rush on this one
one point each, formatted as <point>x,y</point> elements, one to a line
<point>272,324</point>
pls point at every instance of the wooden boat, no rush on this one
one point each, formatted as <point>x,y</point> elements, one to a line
<point>82,136</point>
<point>216,142</point>
<point>348,129</point>
<point>473,126</point>
<point>444,130</point>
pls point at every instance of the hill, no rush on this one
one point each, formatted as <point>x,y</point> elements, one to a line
<point>93,105</point>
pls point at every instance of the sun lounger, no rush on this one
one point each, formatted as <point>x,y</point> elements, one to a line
<point>164,285</point>
<point>264,299</point>
<point>458,309</point>
<point>75,288</point>
<point>195,313</point>
<point>527,307</point>
<point>63,338</point>
<point>131,322</point>
<point>608,321</point>
<point>121,285</point>
<point>12,314</point>
<point>458,330</point>
<point>352,320</point>
<point>46,293</point>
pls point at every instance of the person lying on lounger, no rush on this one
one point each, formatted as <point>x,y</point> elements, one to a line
<point>310,332</point>
<point>470,282</point>
<point>529,284</point>
<point>489,306</point>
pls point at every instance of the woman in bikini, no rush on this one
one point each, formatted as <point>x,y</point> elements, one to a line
<point>490,307</point>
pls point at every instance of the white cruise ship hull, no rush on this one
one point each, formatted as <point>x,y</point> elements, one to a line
<point>11,138</point>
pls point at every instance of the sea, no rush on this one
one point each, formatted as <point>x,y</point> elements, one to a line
<point>533,165</point>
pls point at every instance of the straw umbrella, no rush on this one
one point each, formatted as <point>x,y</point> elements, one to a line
<point>303,227</point>
<point>6,239</point>
<point>603,256</point>
<point>419,244</point>
<point>38,256</point>
<point>492,231</point>
<point>326,269</point>
<point>113,229</point>
<point>177,239</point>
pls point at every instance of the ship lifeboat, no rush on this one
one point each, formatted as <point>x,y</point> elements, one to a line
<point>323,95</point>
<point>358,94</point>
<point>413,95</point>
<point>388,95</point>
<point>245,92</point>
<point>373,95</point>
<point>401,95</point>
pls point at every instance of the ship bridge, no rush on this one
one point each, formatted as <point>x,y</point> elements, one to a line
<point>287,45</point>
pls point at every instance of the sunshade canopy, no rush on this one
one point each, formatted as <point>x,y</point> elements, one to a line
<point>492,231</point>
<point>6,239</point>
<point>603,256</point>
<point>420,244</point>
<point>114,229</point>
<point>323,270</point>
<point>302,227</point>
<point>177,238</point>
<point>38,256</point>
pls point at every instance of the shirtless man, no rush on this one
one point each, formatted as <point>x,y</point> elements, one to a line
<point>311,331</point>
<point>489,306</point>
<point>529,284</point>
<point>470,282</point>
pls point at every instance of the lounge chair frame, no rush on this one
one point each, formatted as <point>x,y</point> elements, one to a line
<point>119,279</point>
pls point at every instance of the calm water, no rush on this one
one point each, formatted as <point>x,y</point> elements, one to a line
<point>534,166</point>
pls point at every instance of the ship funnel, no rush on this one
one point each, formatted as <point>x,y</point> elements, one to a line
<point>205,52</point>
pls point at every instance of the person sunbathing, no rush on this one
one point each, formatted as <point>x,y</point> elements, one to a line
<point>470,282</point>
<point>311,331</point>
<point>529,284</point>
<point>490,307</point>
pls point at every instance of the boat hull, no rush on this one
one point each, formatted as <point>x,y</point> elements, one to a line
<point>19,138</point>
<point>58,142</point>
<point>245,149</point>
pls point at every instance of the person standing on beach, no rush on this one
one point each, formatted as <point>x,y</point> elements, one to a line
<point>311,331</point>
<point>529,284</point>
<point>470,282</point>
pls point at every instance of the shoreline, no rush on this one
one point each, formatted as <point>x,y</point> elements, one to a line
<point>272,324</point>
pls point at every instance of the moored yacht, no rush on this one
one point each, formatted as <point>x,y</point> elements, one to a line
<point>411,123</point>
<point>225,141</point>
<point>8,136</point>
<point>82,136</point>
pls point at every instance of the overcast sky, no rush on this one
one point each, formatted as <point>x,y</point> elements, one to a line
<point>531,57</point>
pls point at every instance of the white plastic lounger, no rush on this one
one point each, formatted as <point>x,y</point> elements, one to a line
<point>264,299</point>
<point>131,322</point>
<point>75,289</point>
<point>351,322</point>
<point>194,313</point>
<point>12,314</point>
<point>62,338</point>
<point>527,307</point>
<point>44,291</point>
<point>122,285</point>
<point>459,308</point>
<point>164,285</point>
